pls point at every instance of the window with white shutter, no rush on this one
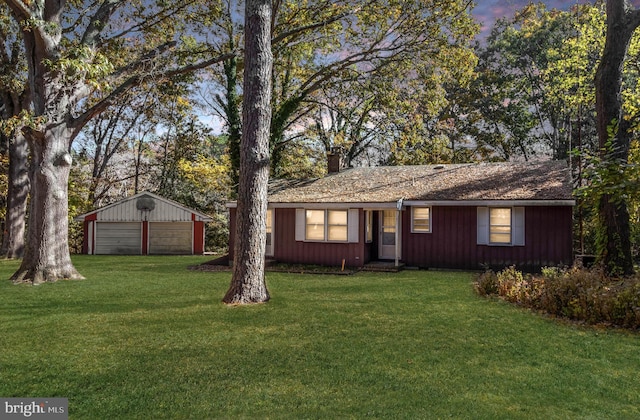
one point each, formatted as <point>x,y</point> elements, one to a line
<point>501,226</point>
<point>327,225</point>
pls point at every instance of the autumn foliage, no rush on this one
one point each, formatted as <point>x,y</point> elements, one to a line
<point>579,294</point>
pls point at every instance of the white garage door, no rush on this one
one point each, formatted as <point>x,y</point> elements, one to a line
<point>170,238</point>
<point>119,238</point>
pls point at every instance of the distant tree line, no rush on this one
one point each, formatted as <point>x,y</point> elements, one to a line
<point>118,97</point>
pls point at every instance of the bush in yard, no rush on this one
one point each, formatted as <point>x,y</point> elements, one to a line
<point>578,294</point>
<point>486,284</point>
<point>509,282</point>
<point>518,288</point>
<point>623,306</point>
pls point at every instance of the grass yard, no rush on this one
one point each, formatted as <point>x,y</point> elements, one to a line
<point>145,338</point>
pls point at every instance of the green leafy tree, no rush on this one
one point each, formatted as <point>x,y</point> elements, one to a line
<point>192,168</point>
<point>81,57</point>
<point>191,165</point>
<point>544,62</point>
<point>205,185</point>
<point>614,135</point>
<point>355,44</point>
<point>525,87</point>
<point>326,49</point>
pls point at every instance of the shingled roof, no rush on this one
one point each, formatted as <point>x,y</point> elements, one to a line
<point>543,180</point>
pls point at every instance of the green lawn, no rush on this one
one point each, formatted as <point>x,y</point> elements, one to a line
<point>145,338</point>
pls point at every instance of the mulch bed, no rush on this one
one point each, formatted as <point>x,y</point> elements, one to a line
<point>218,264</point>
<point>222,264</point>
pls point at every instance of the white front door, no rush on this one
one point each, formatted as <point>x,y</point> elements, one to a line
<point>387,235</point>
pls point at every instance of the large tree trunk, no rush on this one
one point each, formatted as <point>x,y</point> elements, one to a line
<point>13,238</point>
<point>247,282</point>
<point>614,229</point>
<point>47,257</point>
<point>53,98</point>
<point>17,194</point>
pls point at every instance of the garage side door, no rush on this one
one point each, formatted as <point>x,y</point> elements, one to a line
<point>119,238</point>
<point>170,238</point>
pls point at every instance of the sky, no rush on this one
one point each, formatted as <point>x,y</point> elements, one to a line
<point>487,11</point>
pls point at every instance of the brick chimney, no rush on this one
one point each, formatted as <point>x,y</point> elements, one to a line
<point>334,160</point>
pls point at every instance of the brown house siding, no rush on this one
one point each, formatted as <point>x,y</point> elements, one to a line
<point>453,240</point>
<point>288,250</point>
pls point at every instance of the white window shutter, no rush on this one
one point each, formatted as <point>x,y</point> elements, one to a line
<point>483,226</point>
<point>301,224</point>
<point>353,226</point>
<point>518,226</point>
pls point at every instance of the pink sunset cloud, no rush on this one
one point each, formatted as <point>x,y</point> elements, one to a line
<point>488,11</point>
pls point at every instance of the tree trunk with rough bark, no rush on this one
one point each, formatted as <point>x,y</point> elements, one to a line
<point>614,135</point>
<point>248,282</point>
<point>13,238</point>
<point>49,136</point>
<point>46,257</point>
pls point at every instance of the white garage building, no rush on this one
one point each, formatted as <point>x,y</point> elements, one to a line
<point>144,224</point>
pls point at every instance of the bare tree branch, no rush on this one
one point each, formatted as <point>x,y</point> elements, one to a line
<point>307,28</point>
<point>98,21</point>
<point>136,80</point>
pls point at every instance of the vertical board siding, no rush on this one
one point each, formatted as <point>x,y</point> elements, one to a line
<point>288,250</point>
<point>198,238</point>
<point>453,240</point>
<point>127,211</point>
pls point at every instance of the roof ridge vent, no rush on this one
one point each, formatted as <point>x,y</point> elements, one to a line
<point>438,167</point>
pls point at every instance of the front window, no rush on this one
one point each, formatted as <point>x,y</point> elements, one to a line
<point>326,225</point>
<point>500,225</point>
<point>315,225</point>
<point>421,219</point>
<point>337,225</point>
